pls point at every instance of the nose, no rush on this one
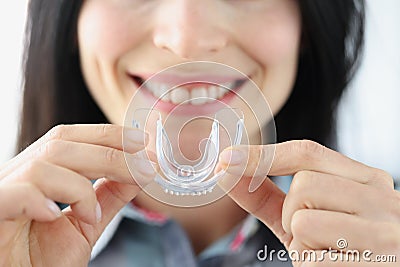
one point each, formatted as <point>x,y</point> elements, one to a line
<point>191,29</point>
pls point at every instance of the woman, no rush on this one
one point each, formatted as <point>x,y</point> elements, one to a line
<point>76,64</point>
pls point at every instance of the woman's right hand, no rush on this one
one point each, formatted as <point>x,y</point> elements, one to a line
<point>59,167</point>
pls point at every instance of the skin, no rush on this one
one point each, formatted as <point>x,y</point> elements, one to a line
<point>29,228</point>
<point>189,34</point>
<point>331,195</point>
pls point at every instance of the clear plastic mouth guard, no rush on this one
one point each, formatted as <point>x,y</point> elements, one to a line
<point>181,176</point>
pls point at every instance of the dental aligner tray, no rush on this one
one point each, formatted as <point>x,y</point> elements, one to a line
<point>197,179</point>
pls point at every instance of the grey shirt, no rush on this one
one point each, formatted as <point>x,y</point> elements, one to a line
<point>144,239</point>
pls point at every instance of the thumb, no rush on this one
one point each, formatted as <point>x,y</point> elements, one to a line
<point>251,189</point>
<point>265,203</point>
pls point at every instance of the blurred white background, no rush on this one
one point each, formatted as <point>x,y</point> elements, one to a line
<point>12,25</point>
<point>369,127</point>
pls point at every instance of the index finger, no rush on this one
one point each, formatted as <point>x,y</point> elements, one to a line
<point>114,136</point>
<point>291,157</point>
<point>109,135</point>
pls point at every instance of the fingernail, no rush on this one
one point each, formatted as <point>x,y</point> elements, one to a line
<point>98,212</point>
<point>232,157</point>
<point>143,170</point>
<point>255,183</point>
<point>228,181</point>
<point>217,169</point>
<point>137,136</point>
<point>53,208</point>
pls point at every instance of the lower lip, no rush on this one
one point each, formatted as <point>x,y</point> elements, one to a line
<point>189,109</point>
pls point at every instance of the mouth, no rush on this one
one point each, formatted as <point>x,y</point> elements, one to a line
<point>194,93</point>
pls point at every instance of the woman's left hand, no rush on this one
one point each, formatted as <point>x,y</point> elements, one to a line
<point>333,203</point>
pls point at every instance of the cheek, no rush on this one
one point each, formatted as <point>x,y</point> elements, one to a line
<point>106,30</point>
<point>274,35</point>
<point>106,33</point>
<point>273,42</point>
<point>274,47</point>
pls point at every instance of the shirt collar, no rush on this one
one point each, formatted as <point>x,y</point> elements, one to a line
<point>235,239</point>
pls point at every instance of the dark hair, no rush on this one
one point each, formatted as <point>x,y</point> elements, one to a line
<point>55,91</point>
<point>333,38</point>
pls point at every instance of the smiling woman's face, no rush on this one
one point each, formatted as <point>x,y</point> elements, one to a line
<point>122,42</point>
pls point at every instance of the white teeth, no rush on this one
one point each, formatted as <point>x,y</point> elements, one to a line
<point>152,87</point>
<point>166,97</point>
<point>159,91</point>
<point>228,85</point>
<point>212,93</point>
<point>221,92</point>
<point>198,96</point>
<point>179,95</point>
